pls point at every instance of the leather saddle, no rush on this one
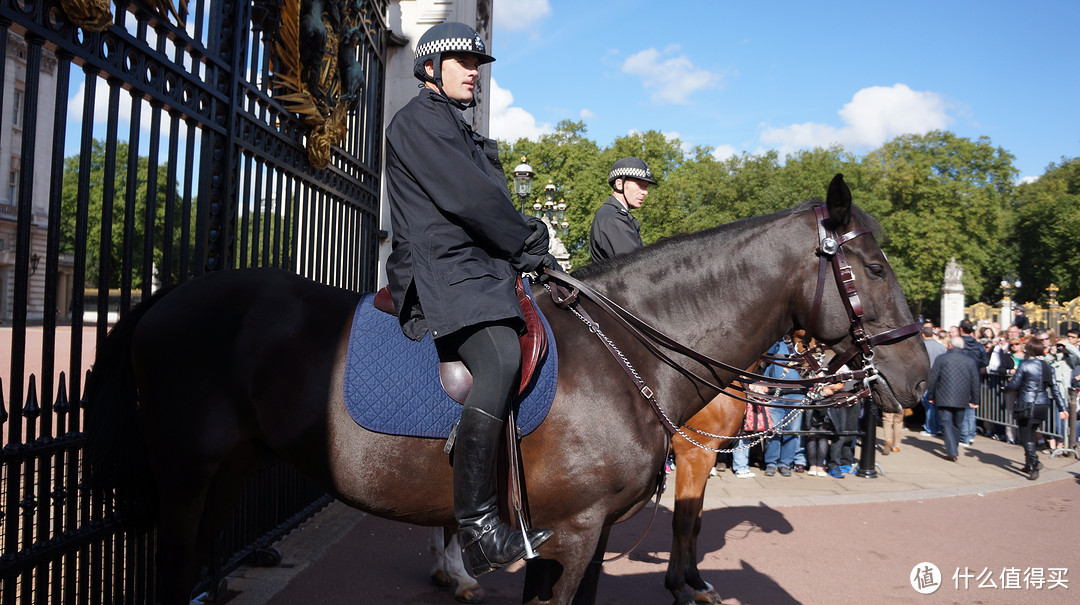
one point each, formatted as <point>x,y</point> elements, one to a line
<point>455,377</point>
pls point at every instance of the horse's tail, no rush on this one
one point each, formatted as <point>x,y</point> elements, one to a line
<point>115,461</point>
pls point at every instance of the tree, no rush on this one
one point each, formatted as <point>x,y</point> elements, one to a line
<point>940,196</point>
<point>1047,229</point>
<point>136,239</point>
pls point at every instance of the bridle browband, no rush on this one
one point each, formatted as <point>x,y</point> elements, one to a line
<point>830,251</point>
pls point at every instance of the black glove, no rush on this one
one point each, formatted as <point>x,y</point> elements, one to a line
<point>528,263</point>
<point>537,242</point>
<point>548,262</point>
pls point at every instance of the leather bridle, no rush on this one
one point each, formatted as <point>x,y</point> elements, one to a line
<point>830,251</point>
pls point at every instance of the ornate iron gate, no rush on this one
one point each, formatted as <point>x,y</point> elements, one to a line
<point>137,157</point>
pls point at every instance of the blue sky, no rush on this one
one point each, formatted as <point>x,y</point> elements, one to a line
<point>786,75</point>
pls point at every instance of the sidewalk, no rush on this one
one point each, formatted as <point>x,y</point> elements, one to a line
<point>915,474</point>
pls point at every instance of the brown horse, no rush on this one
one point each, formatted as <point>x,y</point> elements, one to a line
<point>194,386</point>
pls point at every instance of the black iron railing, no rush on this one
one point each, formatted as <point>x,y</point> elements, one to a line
<point>147,154</point>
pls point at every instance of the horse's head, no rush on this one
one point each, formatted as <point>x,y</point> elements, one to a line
<point>857,304</point>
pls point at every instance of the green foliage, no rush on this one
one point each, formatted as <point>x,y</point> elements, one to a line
<point>135,241</point>
<point>1047,231</point>
<point>938,196</point>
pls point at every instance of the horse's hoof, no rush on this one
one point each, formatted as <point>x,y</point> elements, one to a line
<point>266,557</point>
<point>474,594</point>
<point>443,579</point>
<point>708,596</point>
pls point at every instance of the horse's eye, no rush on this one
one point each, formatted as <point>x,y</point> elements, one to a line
<point>876,270</point>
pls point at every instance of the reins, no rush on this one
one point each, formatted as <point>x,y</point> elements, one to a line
<point>830,251</point>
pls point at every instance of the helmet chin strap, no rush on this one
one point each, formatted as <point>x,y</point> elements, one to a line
<point>436,79</point>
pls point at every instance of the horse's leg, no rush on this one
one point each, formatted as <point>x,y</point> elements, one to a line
<point>448,570</point>
<point>692,473</point>
<point>586,592</point>
<point>554,577</point>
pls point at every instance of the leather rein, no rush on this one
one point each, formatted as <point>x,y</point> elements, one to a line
<point>830,251</point>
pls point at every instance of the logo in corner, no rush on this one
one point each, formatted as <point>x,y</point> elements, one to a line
<point>925,578</point>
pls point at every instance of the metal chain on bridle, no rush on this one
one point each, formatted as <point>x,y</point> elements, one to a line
<point>830,251</point>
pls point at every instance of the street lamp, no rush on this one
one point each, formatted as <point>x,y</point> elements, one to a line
<point>555,212</point>
<point>523,176</point>
<point>1009,282</point>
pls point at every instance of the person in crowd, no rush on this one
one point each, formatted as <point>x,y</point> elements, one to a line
<point>740,459</point>
<point>1020,320</point>
<point>891,425</point>
<point>1035,386</point>
<point>458,246</point>
<point>1008,358</point>
<point>1071,344</point>
<point>780,449</point>
<point>1060,360</point>
<point>614,230</point>
<point>934,349</point>
<point>842,447</point>
<point>953,387</point>
<point>977,351</point>
<point>844,419</point>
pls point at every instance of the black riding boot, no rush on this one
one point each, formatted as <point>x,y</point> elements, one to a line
<point>487,542</point>
<point>1031,458</point>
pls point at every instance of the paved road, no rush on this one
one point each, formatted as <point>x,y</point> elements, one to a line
<point>775,540</point>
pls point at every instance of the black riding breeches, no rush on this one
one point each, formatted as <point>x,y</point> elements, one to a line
<point>493,356</point>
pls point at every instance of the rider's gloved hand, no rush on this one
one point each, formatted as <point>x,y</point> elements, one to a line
<point>537,242</point>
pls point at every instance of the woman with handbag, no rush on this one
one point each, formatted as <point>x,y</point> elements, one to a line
<point>1034,383</point>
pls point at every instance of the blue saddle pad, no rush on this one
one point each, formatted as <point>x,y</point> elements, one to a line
<point>392,383</point>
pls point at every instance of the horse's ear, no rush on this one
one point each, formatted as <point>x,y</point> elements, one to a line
<point>838,202</point>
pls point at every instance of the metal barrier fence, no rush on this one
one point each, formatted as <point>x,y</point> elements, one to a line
<point>136,157</point>
<point>993,415</point>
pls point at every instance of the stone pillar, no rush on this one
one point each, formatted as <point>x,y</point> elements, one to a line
<point>952,295</point>
<point>557,247</point>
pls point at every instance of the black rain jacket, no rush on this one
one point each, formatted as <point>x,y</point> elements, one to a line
<point>614,231</point>
<point>458,239</point>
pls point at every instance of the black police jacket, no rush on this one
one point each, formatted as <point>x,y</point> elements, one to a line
<point>614,231</point>
<point>457,238</point>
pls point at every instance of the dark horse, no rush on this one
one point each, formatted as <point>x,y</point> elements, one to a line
<point>194,386</point>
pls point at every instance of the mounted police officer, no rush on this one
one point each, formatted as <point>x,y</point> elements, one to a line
<point>458,247</point>
<point>614,230</point>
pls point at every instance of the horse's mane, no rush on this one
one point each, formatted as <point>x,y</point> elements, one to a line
<point>694,238</point>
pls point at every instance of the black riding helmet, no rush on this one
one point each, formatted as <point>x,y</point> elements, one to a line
<point>450,37</point>
<point>629,167</point>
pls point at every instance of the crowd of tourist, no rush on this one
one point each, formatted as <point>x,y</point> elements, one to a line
<point>1037,374</point>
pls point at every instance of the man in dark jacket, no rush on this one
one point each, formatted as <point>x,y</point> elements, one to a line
<point>614,230</point>
<point>953,387</point>
<point>974,349</point>
<point>458,245</point>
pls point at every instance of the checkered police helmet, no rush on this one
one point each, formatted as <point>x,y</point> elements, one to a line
<point>630,167</point>
<point>450,37</point>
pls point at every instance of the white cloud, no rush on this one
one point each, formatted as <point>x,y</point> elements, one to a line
<point>670,77</point>
<point>585,114</point>
<point>673,136</point>
<point>723,152</point>
<point>509,123</point>
<point>519,15</point>
<point>874,116</point>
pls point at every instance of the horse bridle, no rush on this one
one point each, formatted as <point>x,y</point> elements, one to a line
<point>830,251</point>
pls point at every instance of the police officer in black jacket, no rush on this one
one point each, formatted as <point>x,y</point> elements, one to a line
<point>458,246</point>
<point>614,230</point>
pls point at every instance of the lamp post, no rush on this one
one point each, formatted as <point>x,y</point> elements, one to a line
<point>554,212</point>
<point>1008,282</point>
<point>523,176</point>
